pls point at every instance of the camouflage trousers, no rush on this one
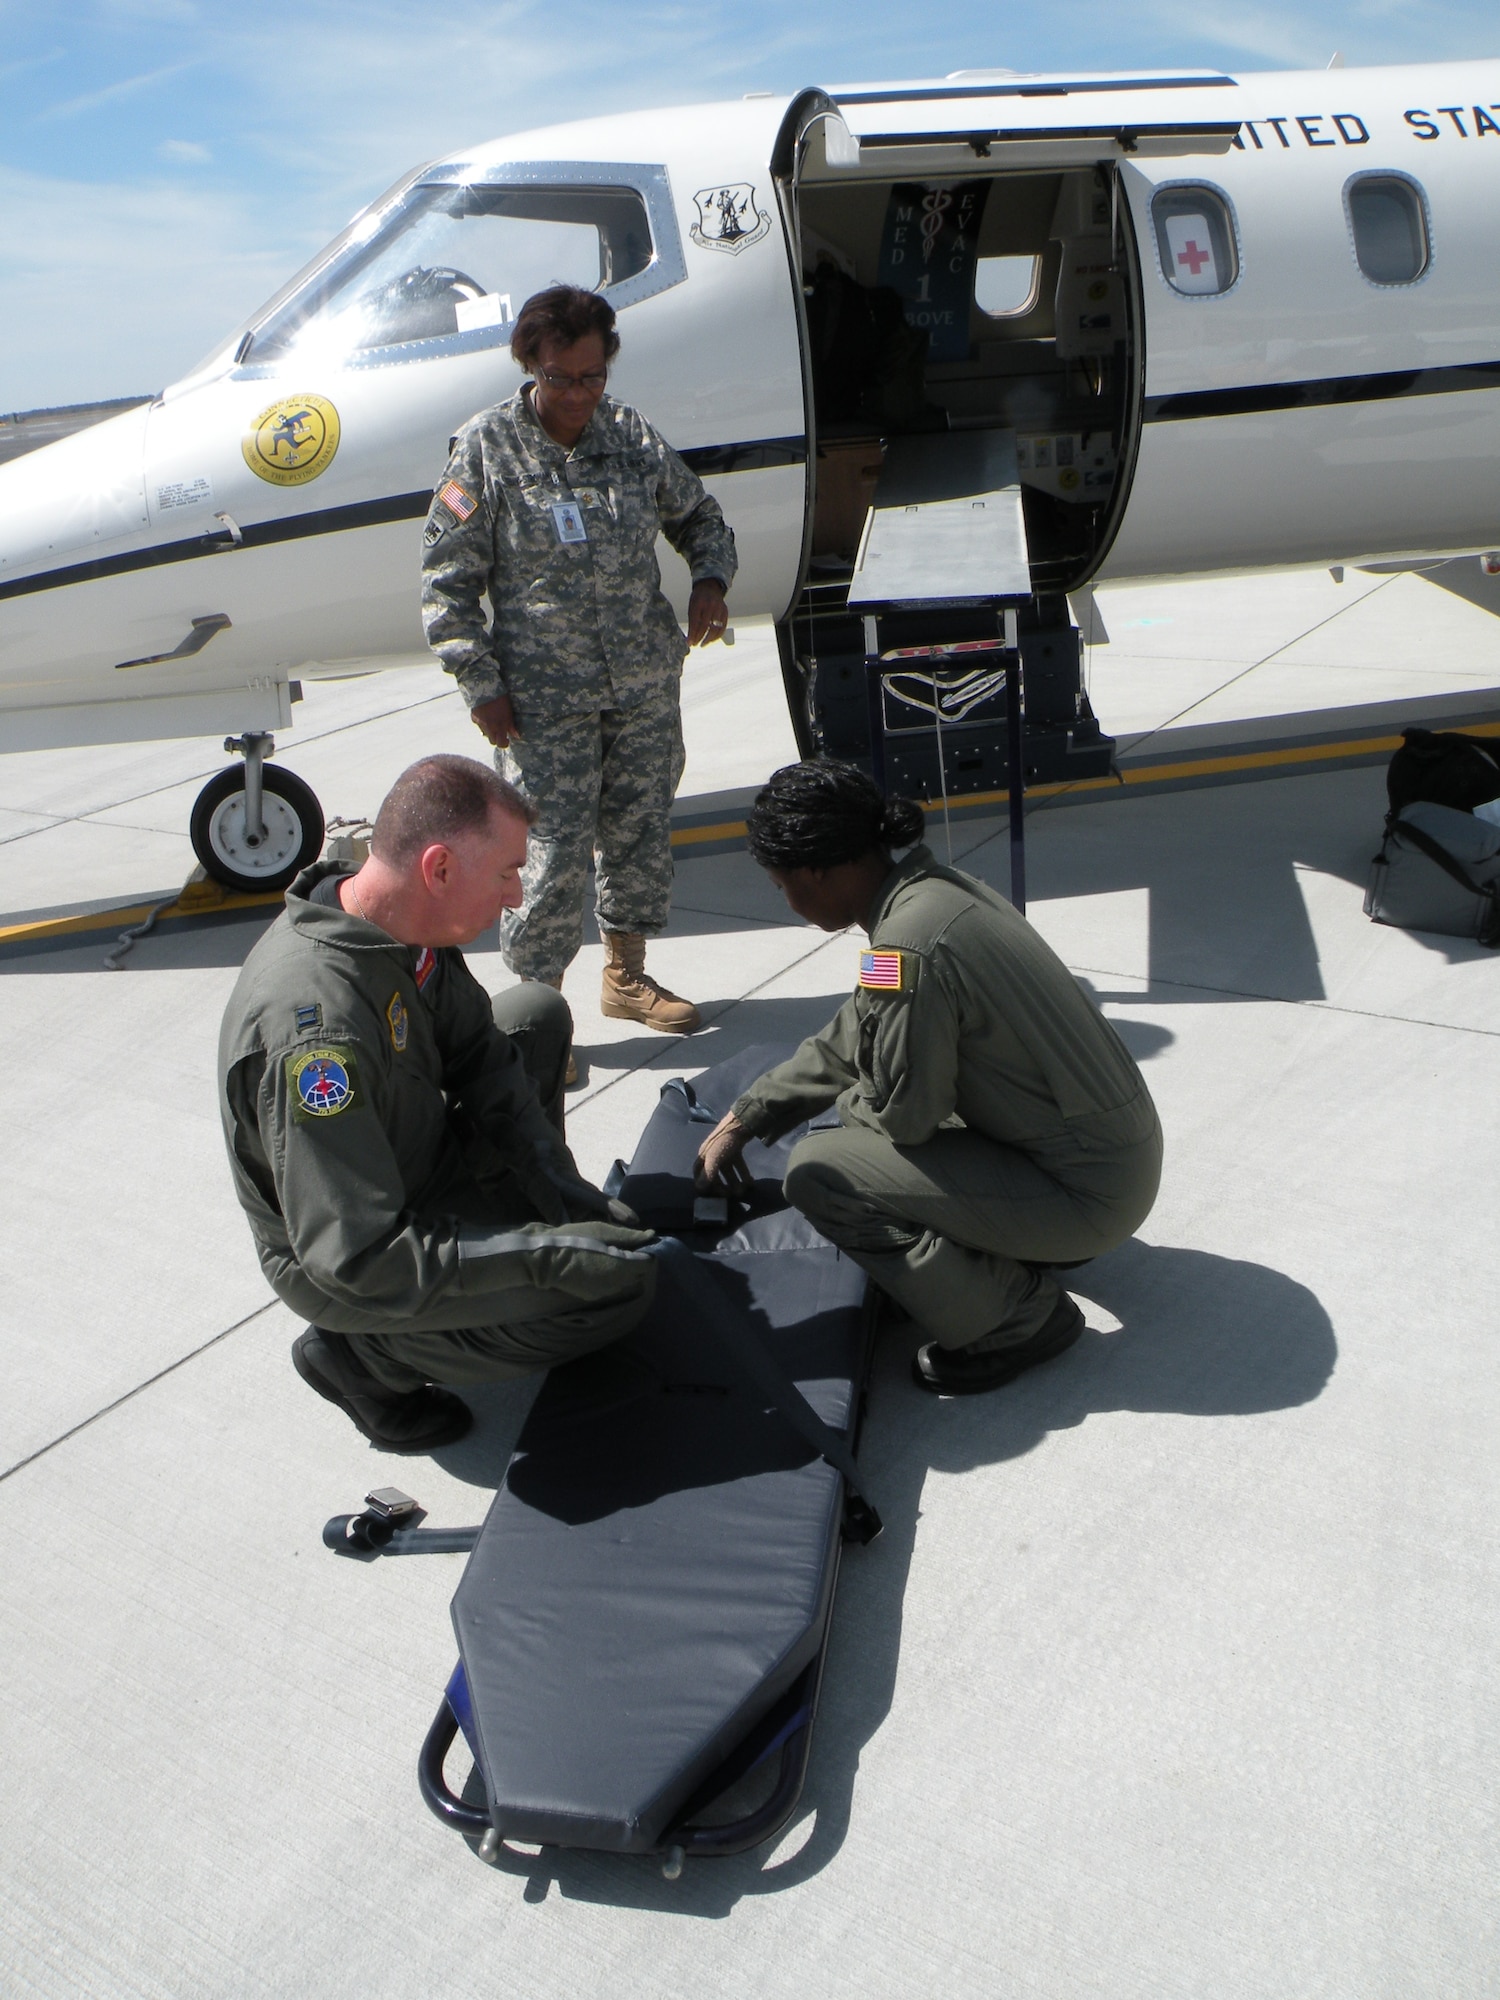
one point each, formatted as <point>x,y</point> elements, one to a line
<point>602,786</point>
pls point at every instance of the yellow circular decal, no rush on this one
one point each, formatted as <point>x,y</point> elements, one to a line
<point>292,441</point>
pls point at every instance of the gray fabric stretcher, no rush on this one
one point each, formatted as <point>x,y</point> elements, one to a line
<point>645,1611</point>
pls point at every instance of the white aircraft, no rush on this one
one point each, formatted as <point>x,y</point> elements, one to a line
<point>1230,322</point>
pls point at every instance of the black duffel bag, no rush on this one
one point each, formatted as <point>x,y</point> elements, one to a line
<point>1444,767</point>
<point>1438,869</point>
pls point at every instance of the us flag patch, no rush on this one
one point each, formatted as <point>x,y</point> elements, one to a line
<point>426,965</point>
<point>881,969</point>
<point>456,500</point>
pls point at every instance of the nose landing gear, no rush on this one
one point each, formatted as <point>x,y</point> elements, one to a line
<point>254,828</point>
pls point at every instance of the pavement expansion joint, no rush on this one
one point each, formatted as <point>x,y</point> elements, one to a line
<point>129,1395</point>
<point>1185,988</point>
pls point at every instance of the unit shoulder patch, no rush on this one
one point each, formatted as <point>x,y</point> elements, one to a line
<point>398,1022</point>
<point>883,971</point>
<point>322,1082</point>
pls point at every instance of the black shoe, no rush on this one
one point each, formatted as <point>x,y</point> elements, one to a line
<point>395,1420</point>
<point>967,1371</point>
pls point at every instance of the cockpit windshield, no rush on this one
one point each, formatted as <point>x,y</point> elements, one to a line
<point>450,260</point>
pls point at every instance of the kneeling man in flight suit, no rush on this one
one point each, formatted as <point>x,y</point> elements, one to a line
<point>396,1137</point>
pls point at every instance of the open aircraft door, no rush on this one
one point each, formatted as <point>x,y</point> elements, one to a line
<point>967,262</point>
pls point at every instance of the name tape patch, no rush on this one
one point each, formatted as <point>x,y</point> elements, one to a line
<point>323,1082</point>
<point>883,970</point>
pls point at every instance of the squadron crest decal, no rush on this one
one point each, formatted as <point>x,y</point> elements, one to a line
<point>728,218</point>
<point>293,440</point>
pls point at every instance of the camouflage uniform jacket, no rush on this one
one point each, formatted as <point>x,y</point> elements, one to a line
<point>386,1143</point>
<point>564,542</point>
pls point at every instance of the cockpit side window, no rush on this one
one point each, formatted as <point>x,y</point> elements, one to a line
<point>1195,240</point>
<point>454,261</point>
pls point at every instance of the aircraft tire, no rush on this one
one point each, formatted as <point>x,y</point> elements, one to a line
<point>293,838</point>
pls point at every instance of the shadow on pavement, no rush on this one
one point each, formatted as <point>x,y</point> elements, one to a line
<point>1201,1335</point>
<point>1227,913</point>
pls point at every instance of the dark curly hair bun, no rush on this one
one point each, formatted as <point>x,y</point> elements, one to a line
<point>819,813</point>
<point>902,824</point>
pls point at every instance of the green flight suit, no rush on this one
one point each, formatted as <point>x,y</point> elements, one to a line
<point>402,1182</point>
<point>990,1117</point>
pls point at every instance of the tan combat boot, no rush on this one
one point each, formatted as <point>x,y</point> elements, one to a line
<point>627,994</point>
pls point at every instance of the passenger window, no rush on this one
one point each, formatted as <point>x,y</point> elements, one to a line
<point>459,260</point>
<point>1195,240</point>
<point>1006,287</point>
<point>1388,221</point>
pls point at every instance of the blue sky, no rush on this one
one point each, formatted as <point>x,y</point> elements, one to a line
<point>166,164</point>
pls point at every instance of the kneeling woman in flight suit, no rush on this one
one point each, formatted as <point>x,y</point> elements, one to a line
<point>992,1124</point>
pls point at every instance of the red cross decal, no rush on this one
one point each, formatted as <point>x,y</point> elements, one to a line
<point>1193,257</point>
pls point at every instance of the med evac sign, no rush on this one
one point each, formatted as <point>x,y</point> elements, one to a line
<point>927,253</point>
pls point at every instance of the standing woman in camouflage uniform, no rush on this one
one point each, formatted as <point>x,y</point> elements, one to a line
<point>551,504</point>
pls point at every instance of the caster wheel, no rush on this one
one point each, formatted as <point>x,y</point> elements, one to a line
<point>293,835</point>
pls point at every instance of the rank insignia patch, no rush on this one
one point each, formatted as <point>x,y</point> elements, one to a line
<point>426,965</point>
<point>323,1083</point>
<point>881,969</point>
<point>396,1018</point>
<point>309,1015</point>
<point>458,503</point>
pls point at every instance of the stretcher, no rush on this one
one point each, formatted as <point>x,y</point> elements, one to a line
<point>643,1621</point>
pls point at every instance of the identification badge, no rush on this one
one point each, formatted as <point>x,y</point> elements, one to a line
<point>881,970</point>
<point>567,517</point>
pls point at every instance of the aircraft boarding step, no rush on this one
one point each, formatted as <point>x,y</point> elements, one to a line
<point>940,667</point>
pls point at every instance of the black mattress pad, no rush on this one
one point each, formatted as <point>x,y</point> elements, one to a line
<point>657,1569</point>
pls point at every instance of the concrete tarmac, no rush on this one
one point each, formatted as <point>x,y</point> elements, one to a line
<point>1173,1673</point>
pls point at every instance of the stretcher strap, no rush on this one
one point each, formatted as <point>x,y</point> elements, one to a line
<point>763,1371</point>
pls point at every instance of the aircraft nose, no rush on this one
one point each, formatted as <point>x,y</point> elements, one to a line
<point>76,498</point>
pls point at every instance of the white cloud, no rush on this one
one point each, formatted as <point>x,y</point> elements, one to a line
<point>111,93</point>
<point>118,291</point>
<point>184,152</point>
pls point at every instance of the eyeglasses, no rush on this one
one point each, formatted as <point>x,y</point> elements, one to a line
<point>555,379</point>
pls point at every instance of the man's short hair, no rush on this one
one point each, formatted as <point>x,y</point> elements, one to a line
<point>438,799</point>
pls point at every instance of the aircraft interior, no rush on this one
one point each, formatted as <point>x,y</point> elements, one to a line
<point>999,301</point>
<point>877,372</point>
